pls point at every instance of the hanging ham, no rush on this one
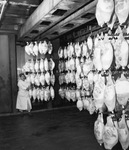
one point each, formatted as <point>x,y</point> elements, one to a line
<point>122,10</point>
<point>99,128</point>
<point>110,134</point>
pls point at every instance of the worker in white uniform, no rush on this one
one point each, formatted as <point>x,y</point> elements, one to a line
<point>23,100</point>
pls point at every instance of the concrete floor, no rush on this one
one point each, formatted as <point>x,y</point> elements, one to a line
<point>61,129</point>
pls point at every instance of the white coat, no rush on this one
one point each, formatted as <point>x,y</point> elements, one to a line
<point>23,100</point>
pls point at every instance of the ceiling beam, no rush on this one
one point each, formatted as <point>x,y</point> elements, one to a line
<point>45,7</point>
<point>71,19</point>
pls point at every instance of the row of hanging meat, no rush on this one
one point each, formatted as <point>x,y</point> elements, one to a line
<point>39,71</point>
<point>107,52</point>
<point>41,79</point>
<point>109,11</point>
<point>104,89</point>
<point>116,92</point>
<point>39,65</point>
<point>113,131</point>
<point>83,78</point>
<point>42,93</point>
<point>80,81</point>
<point>107,92</point>
<point>76,50</point>
<point>36,48</point>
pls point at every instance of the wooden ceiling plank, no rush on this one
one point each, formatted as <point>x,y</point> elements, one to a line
<point>88,7</point>
<point>45,7</point>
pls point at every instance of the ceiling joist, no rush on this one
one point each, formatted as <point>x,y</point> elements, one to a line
<point>36,17</point>
<point>71,22</point>
<point>48,14</point>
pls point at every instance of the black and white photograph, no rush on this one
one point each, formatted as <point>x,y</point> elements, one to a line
<point>64,74</point>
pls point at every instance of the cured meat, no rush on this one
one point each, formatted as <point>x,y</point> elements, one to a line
<point>78,94</point>
<point>98,16</point>
<point>86,102</point>
<point>65,53</point>
<point>110,134</point>
<point>62,93</point>
<point>32,66</point>
<point>51,64</point>
<point>122,86</point>
<point>91,107</point>
<point>78,81</point>
<point>85,84</point>
<point>70,50</point>
<point>46,64</point>
<point>96,40</point>
<point>52,78</point>
<point>67,94</point>
<point>41,94</point>
<point>110,98</point>
<point>123,133</point>
<point>31,45</point>
<point>42,68</point>
<point>90,77</point>
<point>98,93</point>
<point>122,10</point>
<point>73,95</point>
<point>104,10</point>
<point>47,78</point>
<point>117,47</point>
<point>40,47</point>
<point>50,48</point>
<point>84,49</point>
<point>90,43</point>
<point>27,50</point>
<point>124,52</point>
<point>38,94</point>
<point>26,67</point>
<point>77,49</point>
<point>97,59</point>
<point>60,52</point>
<point>37,65</point>
<point>35,49</point>
<point>44,47</point>
<point>46,93</point>
<point>87,66</point>
<point>99,128</point>
<point>52,93</point>
<point>37,80</point>
<point>42,79</point>
<point>107,54</point>
<point>79,104</point>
